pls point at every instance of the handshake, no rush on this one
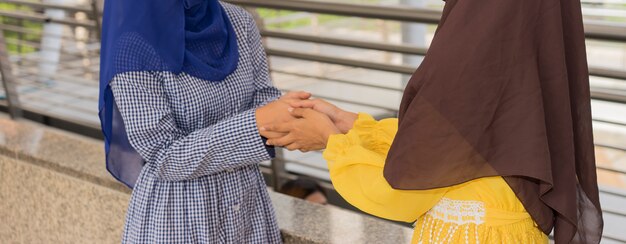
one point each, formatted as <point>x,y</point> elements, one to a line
<point>297,122</point>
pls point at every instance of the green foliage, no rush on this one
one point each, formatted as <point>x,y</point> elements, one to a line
<point>13,36</point>
<point>295,22</point>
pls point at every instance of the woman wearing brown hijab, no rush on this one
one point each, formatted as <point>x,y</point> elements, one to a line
<point>494,138</point>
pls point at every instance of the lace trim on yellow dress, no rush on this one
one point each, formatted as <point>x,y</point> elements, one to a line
<point>457,215</point>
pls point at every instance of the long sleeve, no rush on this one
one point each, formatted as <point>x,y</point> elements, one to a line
<point>152,131</point>
<point>265,91</point>
<point>356,161</point>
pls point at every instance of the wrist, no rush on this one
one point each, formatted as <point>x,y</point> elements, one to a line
<point>333,131</point>
<point>346,121</point>
<point>259,115</point>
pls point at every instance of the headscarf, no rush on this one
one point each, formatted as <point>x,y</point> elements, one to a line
<point>191,36</point>
<point>504,91</point>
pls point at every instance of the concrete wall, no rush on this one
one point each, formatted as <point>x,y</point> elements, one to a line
<point>54,189</point>
<point>38,205</point>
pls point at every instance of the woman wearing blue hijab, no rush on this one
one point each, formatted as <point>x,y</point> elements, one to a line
<point>184,86</point>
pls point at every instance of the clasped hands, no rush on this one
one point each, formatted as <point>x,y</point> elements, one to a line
<point>297,122</point>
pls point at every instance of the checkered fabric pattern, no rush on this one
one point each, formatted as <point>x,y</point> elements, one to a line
<point>201,183</point>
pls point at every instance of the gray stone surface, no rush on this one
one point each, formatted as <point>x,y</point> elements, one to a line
<point>39,205</point>
<point>54,189</point>
<point>67,153</point>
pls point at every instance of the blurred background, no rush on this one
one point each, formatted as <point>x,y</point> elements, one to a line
<point>358,54</point>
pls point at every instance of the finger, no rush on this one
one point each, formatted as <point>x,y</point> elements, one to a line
<point>299,112</point>
<point>297,95</point>
<point>283,141</point>
<point>280,128</point>
<point>272,135</point>
<point>293,146</point>
<point>301,103</point>
<point>302,112</point>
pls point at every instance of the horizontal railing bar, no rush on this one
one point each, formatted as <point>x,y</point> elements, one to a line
<point>604,1</point>
<point>596,96</point>
<point>612,238</point>
<point>63,65</point>
<point>607,95</point>
<point>405,49</point>
<point>287,18</point>
<point>352,10</point>
<point>608,73</point>
<point>611,170</point>
<point>73,79</point>
<point>604,12</point>
<point>65,105</point>
<point>328,79</point>
<point>38,46</point>
<point>64,62</point>
<point>53,103</point>
<point>59,63</point>
<point>322,78</point>
<point>301,163</point>
<point>404,69</point>
<point>20,29</point>
<point>612,191</point>
<point>346,101</point>
<point>399,48</point>
<point>410,14</point>
<point>56,90</point>
<point>618,148</point>
<point>62,68</point>
<point>49,5</point>
<point>45,19</point>
<point>609,122</point>
<point>26,82</point>
<point>614,212</point>
<point>23,30</point>
<point>68,124</point>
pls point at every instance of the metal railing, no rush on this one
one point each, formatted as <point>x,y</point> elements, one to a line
<point>6,72</point>
<point>77,49</point>
<point>78,63</point>
<point>609,32</point>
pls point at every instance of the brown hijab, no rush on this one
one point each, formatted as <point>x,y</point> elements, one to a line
<point>504,90</point>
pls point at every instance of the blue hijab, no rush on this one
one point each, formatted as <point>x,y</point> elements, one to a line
<point>191,36</point>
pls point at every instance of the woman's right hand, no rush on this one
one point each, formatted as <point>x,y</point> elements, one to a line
<point>278,112</point>
<point>343,120</point>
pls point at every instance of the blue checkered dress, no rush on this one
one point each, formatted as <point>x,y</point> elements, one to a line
<point>201,183</point>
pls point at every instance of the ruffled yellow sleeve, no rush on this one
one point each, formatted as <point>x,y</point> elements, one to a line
<point>356,161</point>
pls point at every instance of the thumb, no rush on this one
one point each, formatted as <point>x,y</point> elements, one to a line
<point>301,103</point>
<point>299,112</point>
<point>297,95</point>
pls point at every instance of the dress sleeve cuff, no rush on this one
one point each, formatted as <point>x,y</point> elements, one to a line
<point>375,135</point>
<point>338,145</point>
<point>240,137</point>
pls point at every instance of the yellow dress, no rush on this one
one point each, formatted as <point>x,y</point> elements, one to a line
<point>484,210</point>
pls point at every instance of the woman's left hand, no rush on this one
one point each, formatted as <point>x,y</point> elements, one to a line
<point>309,132</point>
